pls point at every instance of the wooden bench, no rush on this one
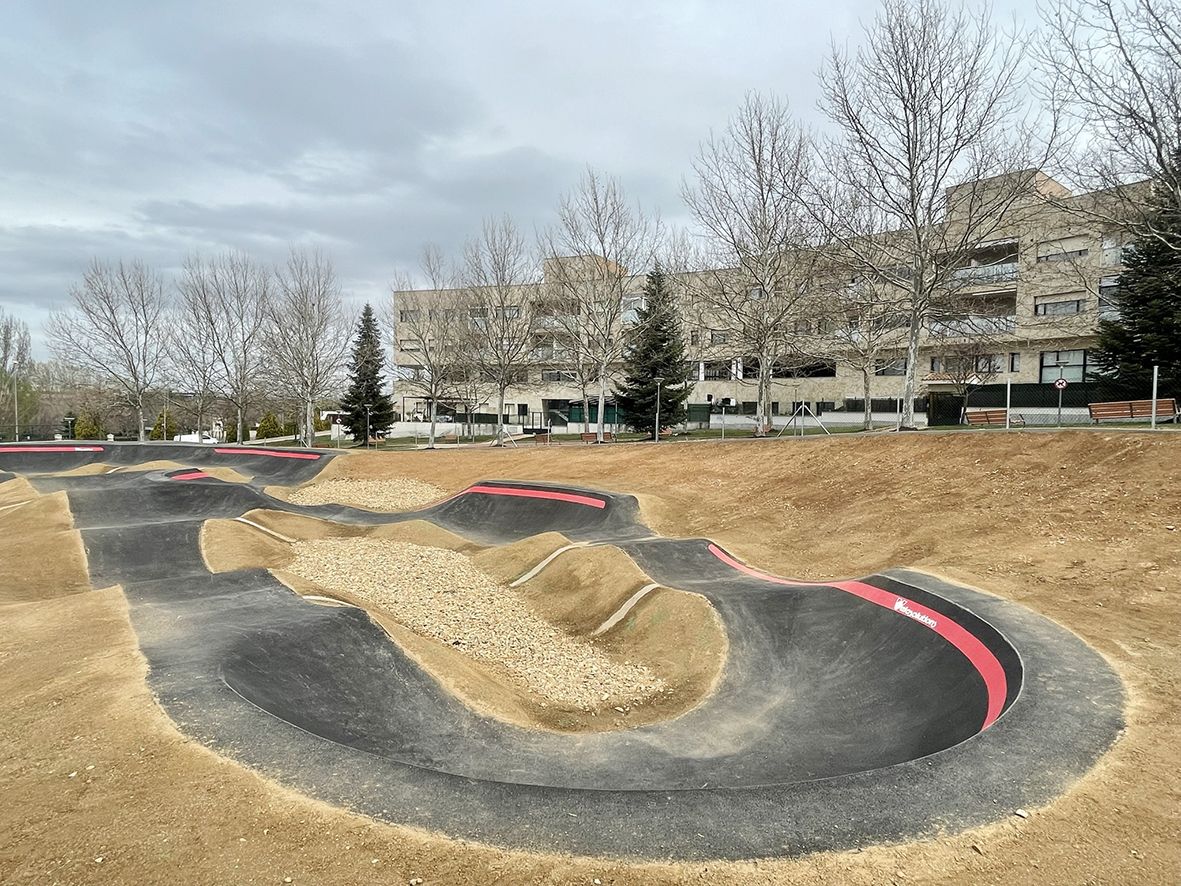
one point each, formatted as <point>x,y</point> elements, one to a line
<point>450,438</point>
<point>993,417</point>
<point>592,437</point>
<point>1128,409</point>
<point>542,439</point>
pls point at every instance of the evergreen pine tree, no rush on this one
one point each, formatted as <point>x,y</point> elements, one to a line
<point>656,350</point>
<point>162,432</point>
<point>1147,330</point>
<point>366,382</point>
<point>88,426</point>
<point>269,427</point>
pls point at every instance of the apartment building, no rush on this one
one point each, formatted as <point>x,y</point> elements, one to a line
<point>1037,288</point>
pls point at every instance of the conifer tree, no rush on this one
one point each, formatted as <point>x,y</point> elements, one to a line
<point>162,429</point>
<point>268,427</point>
<point>1147,330</point>
<point>656,350</point>
<point>366,382</point>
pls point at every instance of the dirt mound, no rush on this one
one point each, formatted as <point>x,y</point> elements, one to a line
<point>577,592</point>
<point>390,494</point>
<point>37,532</point>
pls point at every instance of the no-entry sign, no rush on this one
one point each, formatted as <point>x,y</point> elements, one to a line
<point>1060,384</point>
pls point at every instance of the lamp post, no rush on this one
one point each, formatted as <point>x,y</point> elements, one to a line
<point>368,406</point>
<point>70,425</point>
<point>659,381</point>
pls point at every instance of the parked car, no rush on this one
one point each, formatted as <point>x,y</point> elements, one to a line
<point>203,437</point>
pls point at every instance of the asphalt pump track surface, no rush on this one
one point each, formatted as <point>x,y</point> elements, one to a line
<point>850,712</point>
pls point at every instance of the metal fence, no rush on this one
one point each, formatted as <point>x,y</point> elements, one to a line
<point>1061,404</point>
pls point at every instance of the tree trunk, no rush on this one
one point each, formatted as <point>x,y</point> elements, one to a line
<point>500,417</point>
<point>602,404</point>
<point>140,414</point>
<point>241,426</point>
<point>764,396</point>
<point>585,410</point>
<point>867,403</point>
<point>310,419</point>
<point>912,365</point>
<point>430,439</point>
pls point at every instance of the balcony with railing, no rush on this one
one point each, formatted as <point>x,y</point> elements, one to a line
<point>974,325</point>
<point>1001,272</point>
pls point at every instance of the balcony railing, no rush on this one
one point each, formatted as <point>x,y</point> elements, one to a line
<point>998,273</point>
<point>973,324</point>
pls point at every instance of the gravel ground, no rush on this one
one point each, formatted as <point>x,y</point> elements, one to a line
<point>441,594</point>
<point>393,494</point>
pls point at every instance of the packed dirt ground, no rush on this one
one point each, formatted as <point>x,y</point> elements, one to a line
<point>1085,527</point>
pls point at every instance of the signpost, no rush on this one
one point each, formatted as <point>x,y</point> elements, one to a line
<point>1060,384</point>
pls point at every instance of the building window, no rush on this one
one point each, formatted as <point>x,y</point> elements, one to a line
<point>1057,305</point>
<point>936,364</point>
<point>1108,291</point>
<point>1070,365</point>
<point>559,376</point>
<point>824,369</point>
<point>718,338</point>
<point>409,316</point>
<point>988,363</point>
<point>695,337</point>
<point>631,307</point>
<point>717,370</point>
<point>1068,249</point>
<point>890,367</point>
<point>1014,362</point>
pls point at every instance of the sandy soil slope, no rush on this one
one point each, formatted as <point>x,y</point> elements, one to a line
<point>1083,527</point>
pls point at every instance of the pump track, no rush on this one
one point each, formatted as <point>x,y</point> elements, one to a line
<point>849,712</point>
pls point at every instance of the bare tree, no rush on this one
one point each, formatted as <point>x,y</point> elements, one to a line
<point>1114,69</point>
<point>864,322</point>
<point>748,196</point>
<point>967,345</point>
<point>116,328</point>
<point>15,361</point>
<point>932,149</point>
<point>227,297</point>
<point>307,332</point>
<point>192,365</point>
<point>599,241</point>
<point>498,273</point>
<point>431,327</point>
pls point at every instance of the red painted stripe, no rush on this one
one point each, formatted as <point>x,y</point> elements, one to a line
<point>538,493</point>
<point>50,449</point>
<point>274,453</point>
<point>968,644</point>
<point>191,475</point>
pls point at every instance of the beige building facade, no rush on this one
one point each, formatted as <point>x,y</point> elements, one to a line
<point>1037,288</point>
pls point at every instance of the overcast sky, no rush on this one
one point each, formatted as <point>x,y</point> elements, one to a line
<point>156,129</point>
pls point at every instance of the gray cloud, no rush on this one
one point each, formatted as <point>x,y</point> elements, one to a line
<point>367,128</point>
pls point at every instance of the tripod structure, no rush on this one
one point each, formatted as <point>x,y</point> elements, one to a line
<point>801,412</point>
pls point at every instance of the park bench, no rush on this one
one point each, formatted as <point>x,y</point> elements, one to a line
<point>449,438</point>
<point>993,417</point>
<point>1166,409</point>
<point>608,437</point>
<point>542,439</point>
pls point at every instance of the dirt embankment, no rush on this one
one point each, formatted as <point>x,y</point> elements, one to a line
<point>41,554</point>
<point>1075,525</point>
<point>539,655</point>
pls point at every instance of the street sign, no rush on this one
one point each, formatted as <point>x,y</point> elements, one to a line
<point>1060,384</point>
